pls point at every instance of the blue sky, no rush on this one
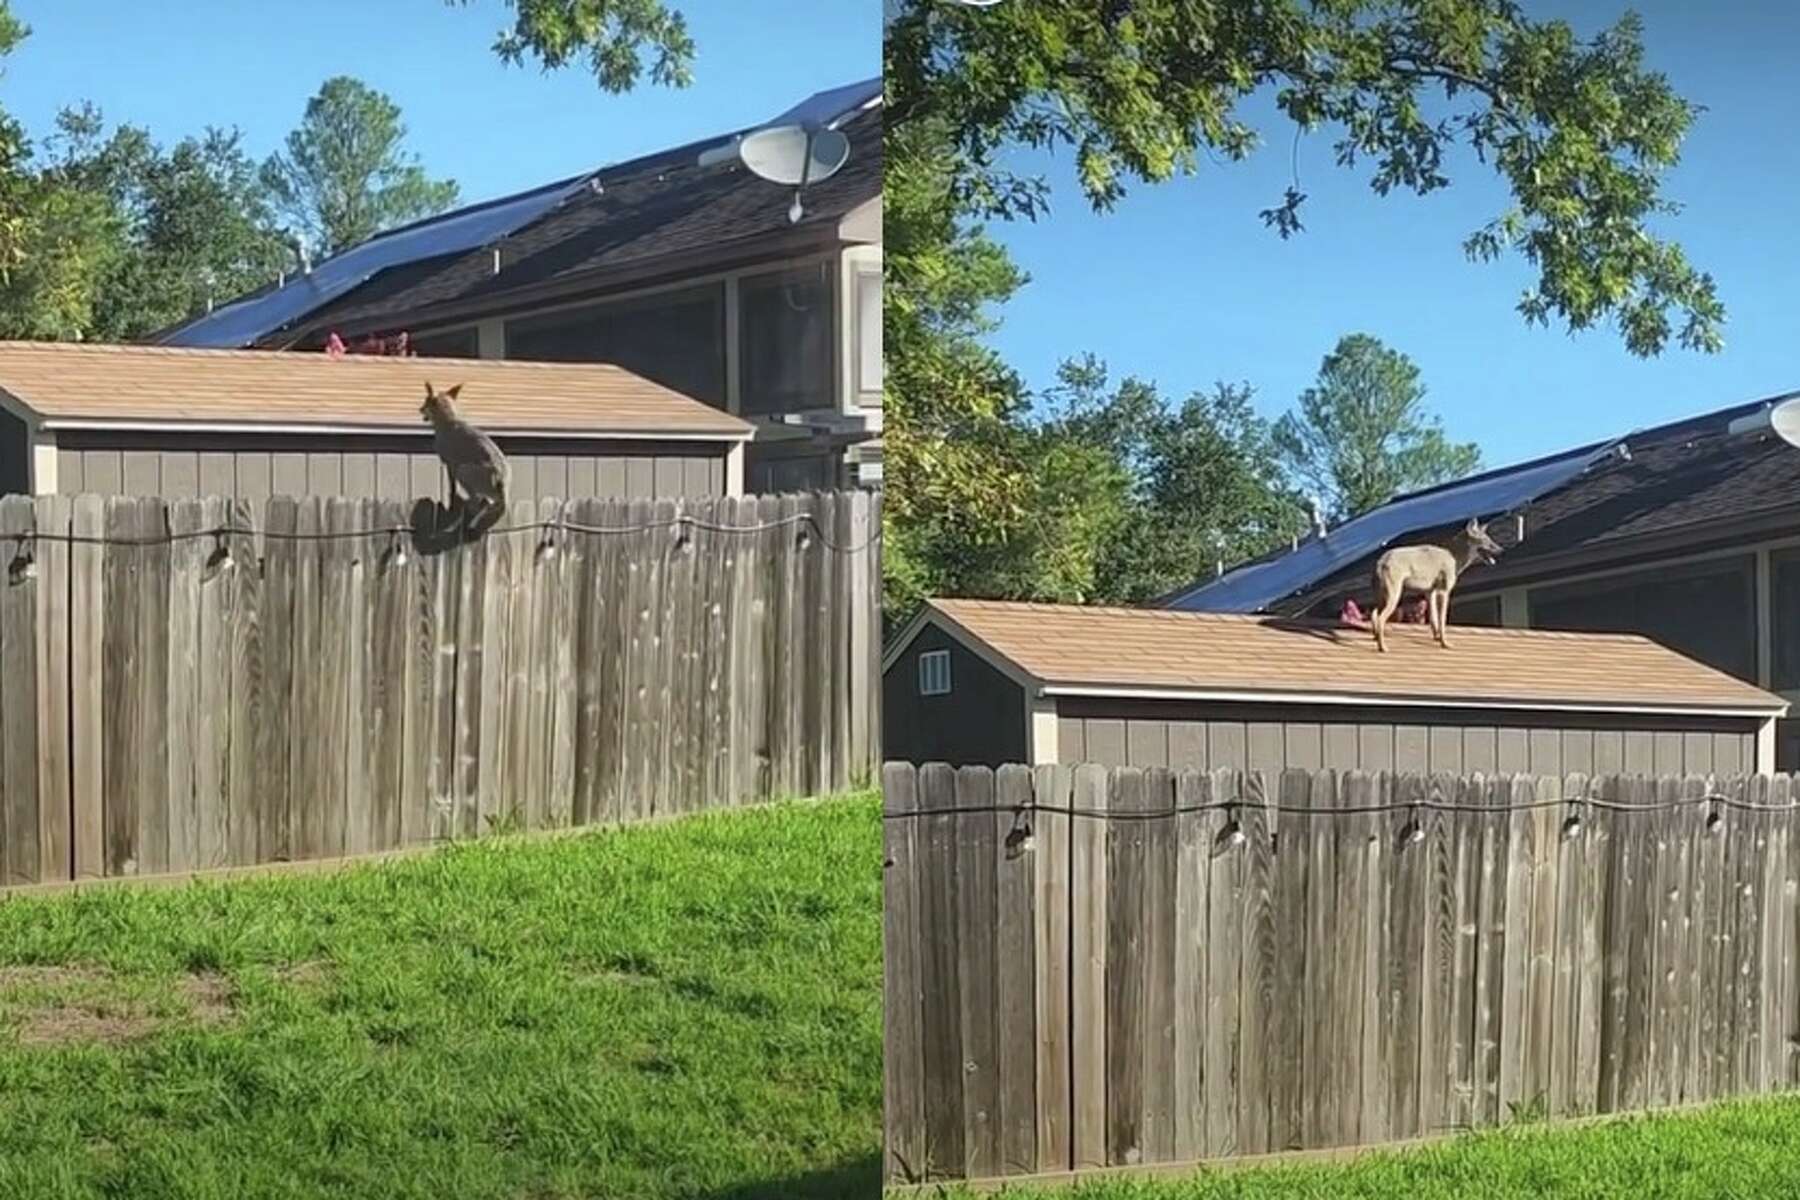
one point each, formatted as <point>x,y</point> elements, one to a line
<point>493,128</point>
<point>1182,284</point>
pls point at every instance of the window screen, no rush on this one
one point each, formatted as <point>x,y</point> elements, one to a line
<point>784,336</point>
<point>675,338</point>
<point>934,673</point>
<point>1707,611</point>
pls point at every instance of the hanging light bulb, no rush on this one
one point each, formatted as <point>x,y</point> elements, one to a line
<point>220,559</point>
<point>684,540</point>
<point>397,555</point>
<point>1231,835</point>
<point>804,539</point>
<point>1413,832</point>
<point>23,565</point>
<point>1715,816</point>
<point>1019,839</point>
<point>1572,826</point>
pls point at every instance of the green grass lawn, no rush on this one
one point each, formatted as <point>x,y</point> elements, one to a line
<point>1742,1150</point>
<point>685,1010</point>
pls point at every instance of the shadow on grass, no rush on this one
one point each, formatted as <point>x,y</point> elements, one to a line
<point>859,1177</point>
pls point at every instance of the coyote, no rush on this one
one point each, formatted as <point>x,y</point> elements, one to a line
<point>1429,569</point>
<point>471,460</point>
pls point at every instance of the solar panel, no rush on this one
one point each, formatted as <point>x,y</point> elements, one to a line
<point>826,107</point>
<point>245,321</point>
<point>1255,587</point>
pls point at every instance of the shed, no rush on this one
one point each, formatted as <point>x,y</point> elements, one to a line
<point>983,683</point>
<point>153,420</point>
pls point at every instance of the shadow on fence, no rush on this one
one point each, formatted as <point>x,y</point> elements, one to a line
<point>202,683</point>
<point>1097,966</point>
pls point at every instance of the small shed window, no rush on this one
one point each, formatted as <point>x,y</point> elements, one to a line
<point>934,673</point>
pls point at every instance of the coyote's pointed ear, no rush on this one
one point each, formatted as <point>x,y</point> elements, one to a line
<point>1473,526</point>
<point>451,391</point>
<point>428,392</point>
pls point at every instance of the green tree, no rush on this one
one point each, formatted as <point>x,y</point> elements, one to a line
<point>944,278</point>
<point>345,176</point>
<point>1201,480</point>
<point>1362,434</point>
<point>196,222</point>
<point>616,37</point>
<point>14,149</point>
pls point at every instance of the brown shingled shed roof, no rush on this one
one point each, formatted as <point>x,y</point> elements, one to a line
<point>104,386</point>
<point>1151,653</point>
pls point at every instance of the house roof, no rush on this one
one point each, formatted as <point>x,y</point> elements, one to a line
<point>632,219</point>
<point>1686,482</point>
<point>662,203</point>
<point>1679,480</point>
<point>1160,654</point>
<point>61,385</point>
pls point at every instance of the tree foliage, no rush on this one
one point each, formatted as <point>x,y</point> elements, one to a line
<point>346,175</point>
<point>1580,131</point>
<point>15,204</point>
<point>1362,434</point>
<point>1200,484</point>
<point>617,38</point>
<point>193,224</point>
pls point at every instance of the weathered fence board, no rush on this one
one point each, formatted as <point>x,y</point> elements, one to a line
<point>1214,964</point>
<point>203,683</point>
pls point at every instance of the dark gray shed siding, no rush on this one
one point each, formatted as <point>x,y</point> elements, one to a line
<point>982,722</point>
<point>387,467</point>
<point>1272,737</point>
<point>15,454</point>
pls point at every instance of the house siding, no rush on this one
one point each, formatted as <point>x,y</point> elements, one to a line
<point>1274,737</point>
<point>253,467</point>
<point>981,722</point>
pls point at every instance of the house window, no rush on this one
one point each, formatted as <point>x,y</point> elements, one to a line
<point>1706,610</point>
<point>675,338</point>
<point>1787,746</point>
<point>868,331</point>
<point>1784,598</point>
<point>785,327</point>
<point>934,673</point>
<point>1477,610</point>
<point>458,343</point>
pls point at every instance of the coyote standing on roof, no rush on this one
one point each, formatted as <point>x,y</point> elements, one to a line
<point>1429,569</point>
<point>471,460</point>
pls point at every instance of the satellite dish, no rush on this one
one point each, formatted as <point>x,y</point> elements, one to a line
<point>1784,419</point>
<point>796,156</point>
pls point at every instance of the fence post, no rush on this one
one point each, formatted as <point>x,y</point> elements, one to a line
<point>20,804</point>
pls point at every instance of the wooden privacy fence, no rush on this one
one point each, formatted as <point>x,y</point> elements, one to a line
<point>205,683</point>
<point>1112,966</point>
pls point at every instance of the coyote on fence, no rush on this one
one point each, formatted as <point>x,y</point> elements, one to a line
<point>471,461</point>
<point>1432,570</point>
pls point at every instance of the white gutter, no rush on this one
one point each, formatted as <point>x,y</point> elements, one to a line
<point>1256,696</point>
<point>421,430</point>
